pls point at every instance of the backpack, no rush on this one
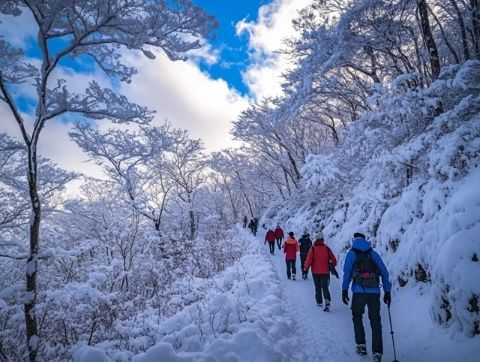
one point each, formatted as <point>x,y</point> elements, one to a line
<point>365,270</point>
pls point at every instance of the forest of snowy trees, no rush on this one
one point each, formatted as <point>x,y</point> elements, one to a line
<point>378,128</point>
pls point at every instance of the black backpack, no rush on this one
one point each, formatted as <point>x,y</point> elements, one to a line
<point>365,270</point>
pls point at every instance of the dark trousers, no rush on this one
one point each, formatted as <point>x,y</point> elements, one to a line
<point>303,257</point>
<point>279,243</point>
<point>372,301</point>
<point>291,268</point>
<point>322,281</point>
<point>272,246</point>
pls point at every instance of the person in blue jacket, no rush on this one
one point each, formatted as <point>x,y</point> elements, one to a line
<point>364,267</point>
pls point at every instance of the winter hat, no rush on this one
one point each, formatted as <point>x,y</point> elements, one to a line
<point>358,235</point>
<point>291,234</point>
<point>319,236</point>
<point>305,233</point>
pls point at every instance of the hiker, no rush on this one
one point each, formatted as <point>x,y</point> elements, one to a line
<point>305,245</point>
<point>251,226</point>
<point>363,267</point>
<point>270,238</point>
<point>290,248</point>
<point>279,235</point>
<point>245,220</point>
<point>319,257</point>
<point>255,225</point>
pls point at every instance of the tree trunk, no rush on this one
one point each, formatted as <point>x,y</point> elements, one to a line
<point>295,169</point>
<point>287,184</point>
<point>476,26</point>
<point>428,38</point>
<point>373,63</point>
<point>191,215</point>
<point>32,261</point>
<point>192,224</point>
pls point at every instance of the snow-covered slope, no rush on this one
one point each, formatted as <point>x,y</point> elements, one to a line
<point>408,175</point>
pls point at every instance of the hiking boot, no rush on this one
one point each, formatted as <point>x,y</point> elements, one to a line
<point>320,304</point>
<point>361,349</point>
<point>327,306</point>
<point>377,357</point>
<point>293,276</point>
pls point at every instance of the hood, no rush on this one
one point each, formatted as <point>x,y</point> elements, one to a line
<point>319,242</point>
<point>361,244</point>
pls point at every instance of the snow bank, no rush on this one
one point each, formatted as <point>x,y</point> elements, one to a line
<point>240,318</point>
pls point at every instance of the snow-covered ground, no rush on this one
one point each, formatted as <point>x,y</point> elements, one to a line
<point>253,313</point>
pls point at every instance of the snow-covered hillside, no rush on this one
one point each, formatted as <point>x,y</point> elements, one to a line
<point>408,174</point>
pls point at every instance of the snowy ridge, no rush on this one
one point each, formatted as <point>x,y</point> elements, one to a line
<point>407,174</point>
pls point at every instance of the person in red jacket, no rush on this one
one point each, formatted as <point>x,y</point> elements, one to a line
<point>319,256</point>
<point>290,248</point>
<point>279,235</point>
<point>270,238</point>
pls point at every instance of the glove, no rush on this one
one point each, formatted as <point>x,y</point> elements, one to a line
<point>345,298</point>
<point>387,298</point>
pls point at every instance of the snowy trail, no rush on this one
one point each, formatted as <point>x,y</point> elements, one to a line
<point>329,336</point>
<point>325,336</point>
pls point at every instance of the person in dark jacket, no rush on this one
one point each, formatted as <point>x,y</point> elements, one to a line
<point>245,220</point>
<point>270,238</point>
<point>255,226</point>
<point>305,244</point>
<point>290,248</point>
<point>279,235</point>
<point>366,292</point>
<point>251,226</point>
<point>319,256</point>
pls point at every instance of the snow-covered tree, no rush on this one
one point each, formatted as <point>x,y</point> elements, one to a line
<point>101,31</point>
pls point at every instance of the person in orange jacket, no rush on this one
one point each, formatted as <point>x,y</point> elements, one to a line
<point>319,257</point>
<point>290,248</point>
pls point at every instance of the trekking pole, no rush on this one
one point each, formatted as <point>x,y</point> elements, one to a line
<point>391,332</point>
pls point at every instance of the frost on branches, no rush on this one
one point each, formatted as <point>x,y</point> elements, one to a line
<point>100,31</point>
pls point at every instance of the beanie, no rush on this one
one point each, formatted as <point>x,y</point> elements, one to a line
<point>358,235</point>
<point>319,236</point>
<point>291,234</point>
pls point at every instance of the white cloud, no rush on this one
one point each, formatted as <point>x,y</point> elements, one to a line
<point>266,35</point>
<point>54,143</point>
<point>15,34</point>
<point>187,97</point>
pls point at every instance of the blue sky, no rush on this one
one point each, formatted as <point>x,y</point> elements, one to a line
<point>233,49</point>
